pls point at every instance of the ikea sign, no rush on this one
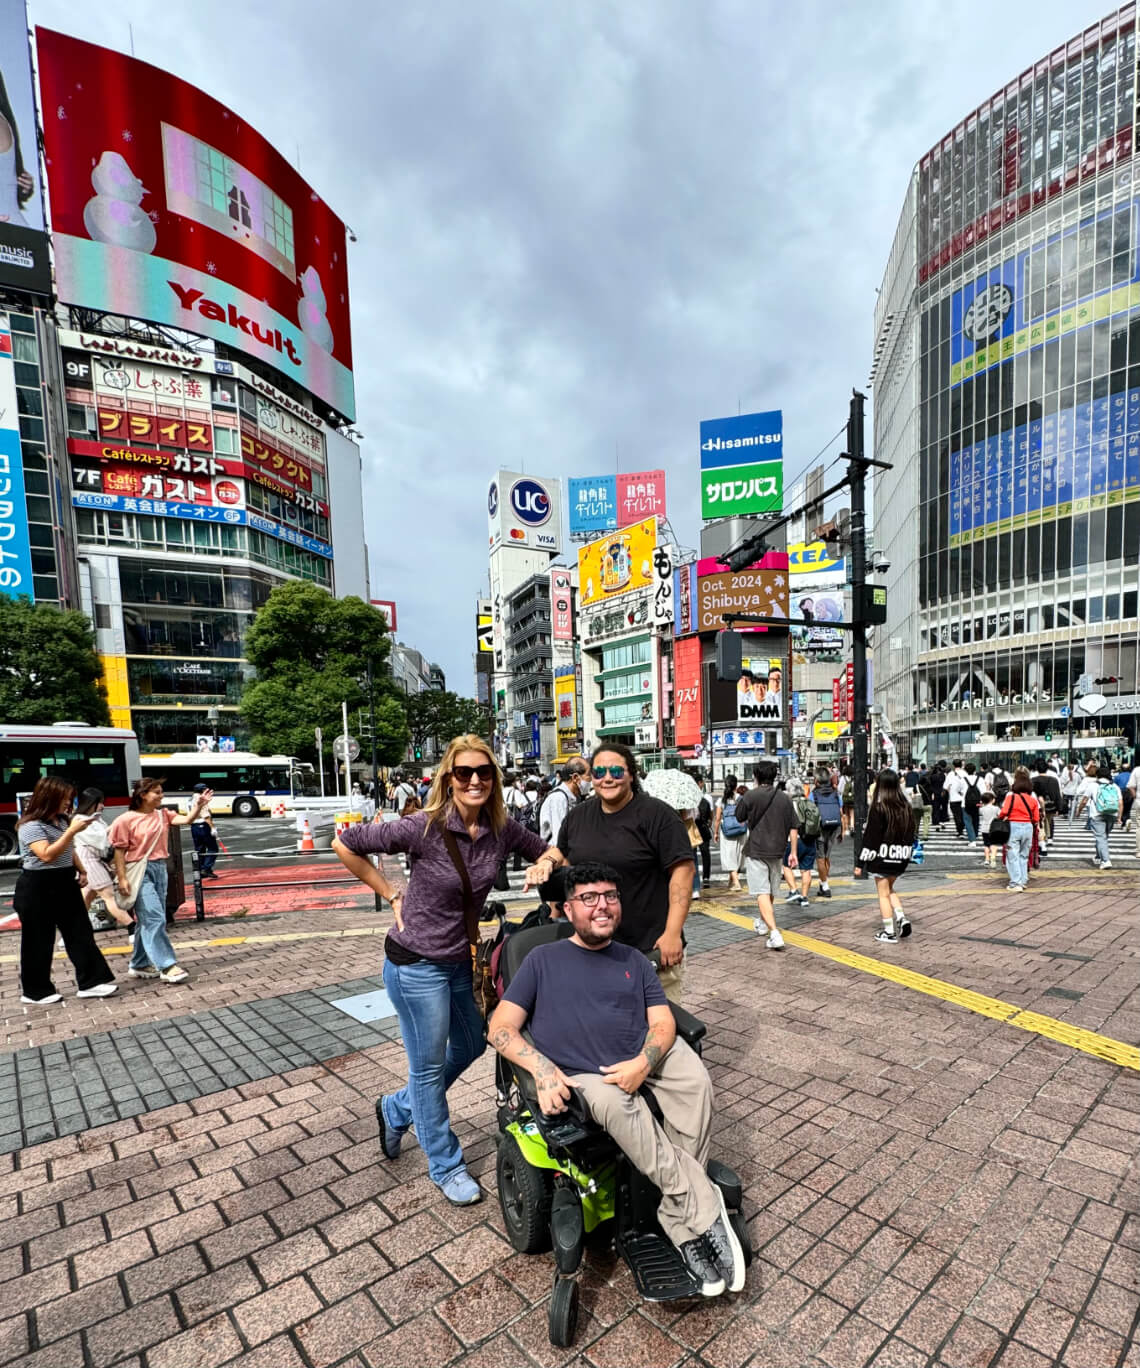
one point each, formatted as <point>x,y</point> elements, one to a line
<point>816,561</point>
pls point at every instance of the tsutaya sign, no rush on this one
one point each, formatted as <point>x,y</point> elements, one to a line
<point>742,467</point>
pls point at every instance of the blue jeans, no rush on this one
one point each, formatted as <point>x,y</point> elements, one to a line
<point>968,816</point>
<point>1017,850</point>
<point>697,870</point>
<point>443,1034</point>
<point>1099,830</point>
<point>152,944</point>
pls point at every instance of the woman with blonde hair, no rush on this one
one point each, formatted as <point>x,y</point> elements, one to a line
<point>456,844</point>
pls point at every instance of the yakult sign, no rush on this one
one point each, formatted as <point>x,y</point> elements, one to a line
<point>526,511</point>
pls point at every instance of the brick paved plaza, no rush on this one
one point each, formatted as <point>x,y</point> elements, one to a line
<point>190,1175</point>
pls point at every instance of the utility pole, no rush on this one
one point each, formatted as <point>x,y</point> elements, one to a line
<point>372,734</point>
<point>858,475</point>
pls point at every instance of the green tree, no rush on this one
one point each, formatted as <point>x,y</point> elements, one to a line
<point>441,715</point>
<point>311,653</point>
<point>49,670</point>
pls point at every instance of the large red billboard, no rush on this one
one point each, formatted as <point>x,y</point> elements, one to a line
<point>688,708</point>
<point>166,206</point>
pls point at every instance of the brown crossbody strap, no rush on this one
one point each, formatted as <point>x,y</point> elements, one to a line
<point>470,911</point>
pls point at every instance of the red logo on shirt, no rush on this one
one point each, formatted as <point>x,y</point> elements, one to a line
<point>627,974</point>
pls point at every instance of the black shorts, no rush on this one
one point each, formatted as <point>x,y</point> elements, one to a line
<point>827,834</point>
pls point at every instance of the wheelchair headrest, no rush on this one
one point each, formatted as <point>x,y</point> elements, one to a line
<point>519,944</point>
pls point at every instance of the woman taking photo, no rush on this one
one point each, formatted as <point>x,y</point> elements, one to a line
<point>140,844</point>
<point>456,844</point>
<point>48,898</point>
<point>888,843</point>
<point>93,847</point>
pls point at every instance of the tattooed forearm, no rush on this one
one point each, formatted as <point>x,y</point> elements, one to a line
<point>512,1046</point>
<point>655,1048</point>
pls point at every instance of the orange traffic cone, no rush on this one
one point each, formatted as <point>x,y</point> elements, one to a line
<point>307,836</point>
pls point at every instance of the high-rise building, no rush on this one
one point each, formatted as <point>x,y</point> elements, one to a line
<point>1007,400</point>
<point>185,398</point>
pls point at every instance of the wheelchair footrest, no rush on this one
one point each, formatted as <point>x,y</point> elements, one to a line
<point>657,1266</point>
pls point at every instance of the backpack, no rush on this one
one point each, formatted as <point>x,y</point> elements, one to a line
<point>1107,799</point>
<point>808,813</point>
<point>729,825</point>
<point>973,798</point>
<point>828,804</point>
<point>529,817</point>
<point>999,785</point>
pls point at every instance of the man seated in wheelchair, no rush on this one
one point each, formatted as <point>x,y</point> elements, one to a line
<point>600,1024</point>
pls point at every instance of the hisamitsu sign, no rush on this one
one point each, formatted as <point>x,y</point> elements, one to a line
<point>742,465</point>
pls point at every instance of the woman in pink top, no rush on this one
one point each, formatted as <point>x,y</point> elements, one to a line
<point>141,834</point>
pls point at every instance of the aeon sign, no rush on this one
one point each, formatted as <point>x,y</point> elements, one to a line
<point>530,503</point>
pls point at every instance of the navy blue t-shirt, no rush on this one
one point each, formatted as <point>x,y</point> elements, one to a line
<point>586,1008</point>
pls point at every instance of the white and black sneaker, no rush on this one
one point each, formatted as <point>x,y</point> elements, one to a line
<point>700,1256</point>
<point>887,936</point>
<point>729,1254</point>
<point>792,897</point>
<point>902,926</point>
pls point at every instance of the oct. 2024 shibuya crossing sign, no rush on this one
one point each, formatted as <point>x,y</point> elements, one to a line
<point>742,465</point>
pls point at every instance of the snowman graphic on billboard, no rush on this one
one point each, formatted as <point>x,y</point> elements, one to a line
<point>113,216</point>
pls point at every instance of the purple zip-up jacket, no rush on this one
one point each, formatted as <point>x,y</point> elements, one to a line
<point>433,904</point>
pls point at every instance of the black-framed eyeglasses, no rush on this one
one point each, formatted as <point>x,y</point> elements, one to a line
<point>614,771</point>
<point>593,897</point>
<point>464,773</point>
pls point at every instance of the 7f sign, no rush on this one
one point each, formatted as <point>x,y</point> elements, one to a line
<point>742,467</point>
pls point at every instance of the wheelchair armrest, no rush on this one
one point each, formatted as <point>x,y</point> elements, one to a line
<point>690,1028</point>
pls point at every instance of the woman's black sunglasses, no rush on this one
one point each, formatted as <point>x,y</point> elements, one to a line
<point>464,772</point>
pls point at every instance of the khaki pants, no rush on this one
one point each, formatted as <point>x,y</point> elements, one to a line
<point>672,1157</point>
<point>671,979</point>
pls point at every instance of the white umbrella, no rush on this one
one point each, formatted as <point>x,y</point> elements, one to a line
<point>675,787</point>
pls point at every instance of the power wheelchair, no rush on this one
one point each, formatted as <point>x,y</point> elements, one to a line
<point>561,1177</point>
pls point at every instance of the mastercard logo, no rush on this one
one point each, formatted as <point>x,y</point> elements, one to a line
<point>518,534</point>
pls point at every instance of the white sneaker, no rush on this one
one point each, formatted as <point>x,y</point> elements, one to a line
<point>697,896</point>
<point>1107,864</point>
<point>41,1002</point>
<point>175,974</point>
<point>100,990</point>
<point>775,941</point>
<point>149,972</point>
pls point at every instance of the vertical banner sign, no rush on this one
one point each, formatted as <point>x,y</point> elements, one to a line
<point>663,586</point>
<point>640,494</point>
<point>561,606</point>
<point>850,691</point>
<point>836,706</point>
<point>742,465</point>
<point>15,548</point>
<point>688,712</point>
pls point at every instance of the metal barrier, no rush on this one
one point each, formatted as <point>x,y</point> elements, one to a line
<point>200,891</point>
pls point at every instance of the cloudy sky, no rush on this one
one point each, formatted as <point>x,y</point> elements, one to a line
<point>585,225</point>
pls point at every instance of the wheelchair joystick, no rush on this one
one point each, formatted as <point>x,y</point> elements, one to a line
<point>566,1229</point>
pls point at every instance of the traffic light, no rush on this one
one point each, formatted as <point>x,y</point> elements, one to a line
<point>746,554</point>
<point>729,656</point>
<point>419,753</point>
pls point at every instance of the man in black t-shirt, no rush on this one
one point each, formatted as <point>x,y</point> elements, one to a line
<point>646,842</point>
<point>599,1023</point>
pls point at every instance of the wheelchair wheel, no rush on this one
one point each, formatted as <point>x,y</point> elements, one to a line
<point>524,1196</point>
<point>740,1226</point>
<point>562,1318</point>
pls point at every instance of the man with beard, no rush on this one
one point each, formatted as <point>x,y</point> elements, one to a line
<point>599,1022</point>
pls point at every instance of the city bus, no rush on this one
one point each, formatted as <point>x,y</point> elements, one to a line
<point>244,784</point>
<point>105,758</point>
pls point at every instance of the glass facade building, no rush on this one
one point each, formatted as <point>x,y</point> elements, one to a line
<point>1007,399</point>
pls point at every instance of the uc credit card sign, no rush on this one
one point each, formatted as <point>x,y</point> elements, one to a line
<point>742,465</point>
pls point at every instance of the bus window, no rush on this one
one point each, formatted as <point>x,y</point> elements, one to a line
<point>102,766</point>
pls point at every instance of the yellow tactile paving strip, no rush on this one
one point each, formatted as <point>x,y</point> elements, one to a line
<point>1088,1042</point>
